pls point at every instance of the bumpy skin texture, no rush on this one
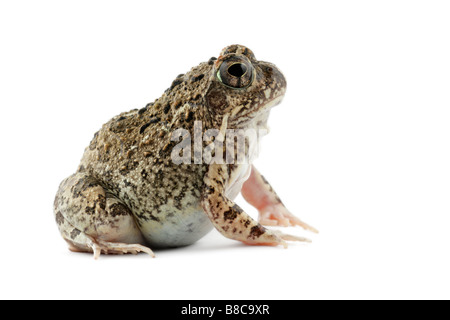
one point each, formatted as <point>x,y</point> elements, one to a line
<point>128,194</point>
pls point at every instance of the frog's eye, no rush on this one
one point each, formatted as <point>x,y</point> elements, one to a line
<point>236,72</point>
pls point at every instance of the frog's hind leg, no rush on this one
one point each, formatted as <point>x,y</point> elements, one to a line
<point>92,220</point>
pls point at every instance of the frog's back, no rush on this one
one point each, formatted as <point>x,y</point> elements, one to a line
<point>131,157</point>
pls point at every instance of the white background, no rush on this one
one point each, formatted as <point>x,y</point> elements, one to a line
<point>359,148</point>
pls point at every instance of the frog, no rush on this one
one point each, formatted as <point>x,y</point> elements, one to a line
<point>129,195</point>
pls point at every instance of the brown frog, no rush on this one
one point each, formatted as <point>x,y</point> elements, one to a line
<point>133,191</point>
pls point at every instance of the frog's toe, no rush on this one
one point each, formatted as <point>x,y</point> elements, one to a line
<point>275,238</point>
<point>107,247</point>
<point>278,215</point>
<point>271,216</point>
<point>289,237</point>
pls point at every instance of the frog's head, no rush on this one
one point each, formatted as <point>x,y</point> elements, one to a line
<point>243,88</point>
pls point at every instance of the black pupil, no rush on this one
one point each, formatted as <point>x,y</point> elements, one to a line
<point>237,70</point>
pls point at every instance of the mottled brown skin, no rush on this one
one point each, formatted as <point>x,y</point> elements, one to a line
<point>128,194</point>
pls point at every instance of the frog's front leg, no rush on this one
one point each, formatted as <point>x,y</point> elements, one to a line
<point>229,219</point>
<point>272,212</point>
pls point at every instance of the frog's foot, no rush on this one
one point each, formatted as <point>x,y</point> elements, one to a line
<point>107,247</point>
<point>85,243</point>
<point>278,215</point>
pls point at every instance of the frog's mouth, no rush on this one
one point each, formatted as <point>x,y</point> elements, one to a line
<point>274,102</point>
<point>259,108</point>
<point>245,115</point>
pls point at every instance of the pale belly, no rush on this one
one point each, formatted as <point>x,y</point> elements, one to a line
<point>177,228</point>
